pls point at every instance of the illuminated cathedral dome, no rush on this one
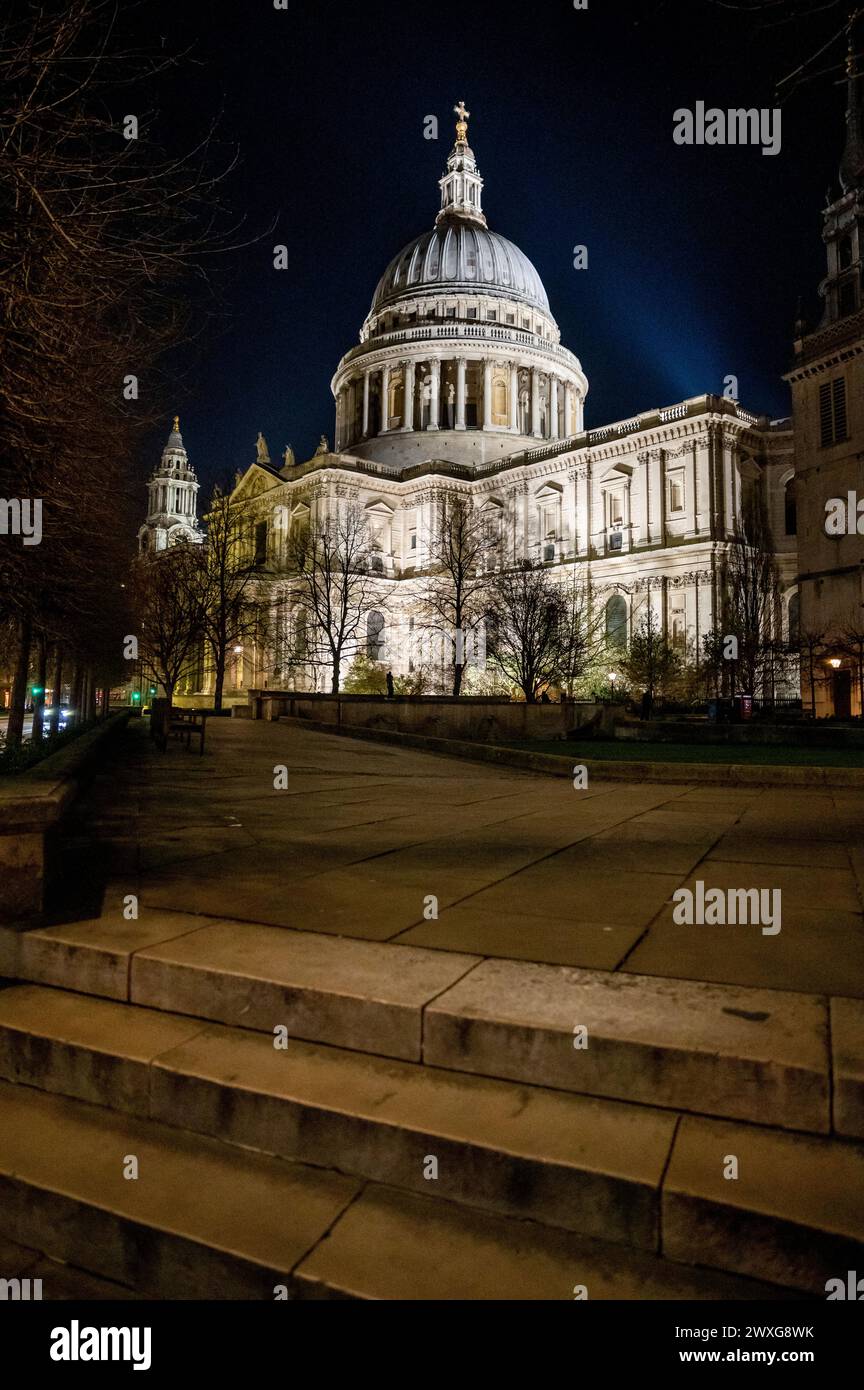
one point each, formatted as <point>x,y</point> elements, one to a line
<point>458,254</point>
<point>459,343</point>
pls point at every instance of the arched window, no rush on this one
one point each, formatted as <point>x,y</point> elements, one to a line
<point>790,510</point>
<point>500,401</point>
<point>616,621</point>
<point>794,617</point>
<point>374,635</point>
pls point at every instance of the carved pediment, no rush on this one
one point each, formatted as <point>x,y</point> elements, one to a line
<point>254,482</point>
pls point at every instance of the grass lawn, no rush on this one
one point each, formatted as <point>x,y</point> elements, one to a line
<point>761,755</point>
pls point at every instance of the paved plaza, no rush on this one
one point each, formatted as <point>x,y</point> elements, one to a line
<point>522,865</point>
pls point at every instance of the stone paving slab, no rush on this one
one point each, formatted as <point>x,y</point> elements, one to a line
<point>750,1054</point>
<point>583,1164</point>
<point>350,993</point>
<point>816,949</point>
<point>553,940</point>
<point>202,1220</point>
<point>794,1212</point>
<point>390,1245</point>
<point>76,1045</point>
<point>93,957</point>
<point>847,1042</point>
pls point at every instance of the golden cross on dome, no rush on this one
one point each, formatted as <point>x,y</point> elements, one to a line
<point>462,123</point>
<point>176,423</point>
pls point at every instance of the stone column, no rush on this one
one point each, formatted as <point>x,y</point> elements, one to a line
<point>583,512</point>
<point>461,367</point>
<point>385,399</point>
<point>535,403</point>
<point>365,404</point>
<point>435,403</point>
<point>727,455</point>
<point>408,370</point>
<point>553,407</point>
<point>487,394</point>
<point>568,410</point>
<point>514,398</point>
<point>691,499</point>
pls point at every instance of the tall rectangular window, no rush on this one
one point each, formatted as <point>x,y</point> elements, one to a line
<point>261,543</point>
<point>832,412</point>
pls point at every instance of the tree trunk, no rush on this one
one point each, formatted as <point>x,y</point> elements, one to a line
<point>18,699</point>
<point>219,681</point>
<point>39,684</point>
<point>458,672</point>
<point>57,694</point>
<point>334,680</point>
<point>75,693</point>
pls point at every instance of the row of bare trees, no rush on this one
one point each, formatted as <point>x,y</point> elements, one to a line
<point>538,628</point>
<point>536,631</point>
<point>103,244</point>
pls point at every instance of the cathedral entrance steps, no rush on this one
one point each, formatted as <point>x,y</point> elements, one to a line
<point>732,1052</point>
<point>743,1199</point>
<point>204,1220</point>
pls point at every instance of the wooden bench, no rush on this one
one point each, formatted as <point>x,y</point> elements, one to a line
<point>189,724</point>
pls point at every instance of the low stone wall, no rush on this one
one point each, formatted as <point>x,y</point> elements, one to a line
<point>486,720</point>
<point>31,807</point>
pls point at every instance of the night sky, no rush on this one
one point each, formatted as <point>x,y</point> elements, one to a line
<point>696,255</point>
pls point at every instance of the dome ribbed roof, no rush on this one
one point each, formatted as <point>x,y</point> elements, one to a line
<point>461,255</point>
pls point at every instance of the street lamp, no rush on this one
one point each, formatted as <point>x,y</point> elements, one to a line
<point>613,676</point>
<point>835,662</point>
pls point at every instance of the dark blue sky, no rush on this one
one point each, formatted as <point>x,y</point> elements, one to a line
<point>696,255</point>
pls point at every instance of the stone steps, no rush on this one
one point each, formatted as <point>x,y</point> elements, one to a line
<point>204,1220</point>
<point>721,1050</point>
<point>636,1175</point>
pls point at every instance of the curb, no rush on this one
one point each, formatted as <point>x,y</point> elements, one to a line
<point>711,774</point>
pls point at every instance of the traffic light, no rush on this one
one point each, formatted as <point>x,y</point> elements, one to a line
<point>135,697</point>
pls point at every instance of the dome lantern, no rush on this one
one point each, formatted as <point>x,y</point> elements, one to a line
<point>461,187</point>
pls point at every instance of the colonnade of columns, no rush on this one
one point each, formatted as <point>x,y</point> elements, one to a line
<point>165,499</point>
<point>542,405</point>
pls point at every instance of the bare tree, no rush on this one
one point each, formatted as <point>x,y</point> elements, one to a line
<point>582,636</point>
<point>169,592</point>
<point>852,643</point>
<point>752,593</point>
<point>230,612</point>
<point>455,599</point>
<point>528,637</point>
<point>810,645</point>
<point>103,244</point>
<point>330,558</point>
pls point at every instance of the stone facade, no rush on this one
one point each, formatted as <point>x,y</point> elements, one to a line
<point>461,387</point>
<point>827,382</point>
